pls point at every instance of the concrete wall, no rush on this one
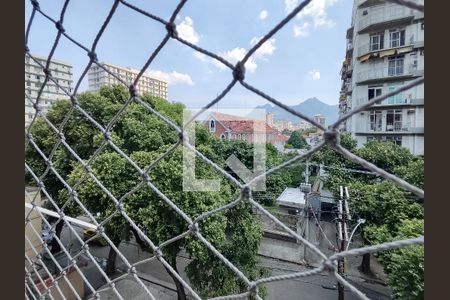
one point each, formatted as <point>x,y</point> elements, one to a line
<point>36,222</point>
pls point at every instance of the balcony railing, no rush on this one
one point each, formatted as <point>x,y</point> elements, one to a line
<point>394,127</point>
<point>401,99</point>
<point>384,15</point>
<point>367,48</point>
<point>385,72</point>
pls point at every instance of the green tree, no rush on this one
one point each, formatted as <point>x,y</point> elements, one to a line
<point>144,137</point>
<point>297,141</point>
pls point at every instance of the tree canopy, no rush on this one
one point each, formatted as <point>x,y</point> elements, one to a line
<point>144,137</point>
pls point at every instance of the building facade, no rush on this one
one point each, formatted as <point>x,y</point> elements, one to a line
<point>34,79</point>
<point>98,77</point>
<point>385,50</point>
<point>231,127</point>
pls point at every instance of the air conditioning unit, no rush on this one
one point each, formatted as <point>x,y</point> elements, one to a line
<point>411,111</point>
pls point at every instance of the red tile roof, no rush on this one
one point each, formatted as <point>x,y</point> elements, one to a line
<point>243,125</point>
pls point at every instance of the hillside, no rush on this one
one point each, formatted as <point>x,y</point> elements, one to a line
<point>309,107</point>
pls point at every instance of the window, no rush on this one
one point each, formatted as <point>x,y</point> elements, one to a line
<point>212,126</point>
<point>396,64</point>
<point>394,120</point>
<point>239,136</point>
<point>374,92</point>
<point>244,137</point>
<point>375,120</point>
<point>222,136</point>
<point>365,12</point>
<point>397,37</point>
<point>234,136</point>
<point>397,99</point>
<point>377,41</point>
<point>394,139</point>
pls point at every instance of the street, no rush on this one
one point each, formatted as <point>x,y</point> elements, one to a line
<point>154,275</point>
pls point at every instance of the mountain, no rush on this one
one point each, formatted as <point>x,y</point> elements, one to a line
<point>309,107</point>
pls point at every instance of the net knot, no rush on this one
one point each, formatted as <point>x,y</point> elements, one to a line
<point>92,55</point>
<point>35,4</point>
<point>246,193</point>
<point>331,137</point>
<point>172,30</point>
<point>60,27</point>
<point>133,91</point>
<point>239,71</point>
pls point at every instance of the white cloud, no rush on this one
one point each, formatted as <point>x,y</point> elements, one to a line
<point>290,5</point>
<point>172,78</point>
<point>301,30</point>
<point>263,14</point>
<point>314,75</point>
<point>317,10</point>
<point>235,55</point>
<point>186,31</point>
<point>267,48</point>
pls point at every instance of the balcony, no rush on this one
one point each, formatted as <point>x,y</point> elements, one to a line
<point>409,45</point>
<point>385,18</point>
<point>397,127</point>
<point>398,101</point>
<point>387,74</point>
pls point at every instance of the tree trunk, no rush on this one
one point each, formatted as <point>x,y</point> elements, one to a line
<point>111,264</point>
<point>55,247</point>
<point>365,264</point>
<point>180,288</point>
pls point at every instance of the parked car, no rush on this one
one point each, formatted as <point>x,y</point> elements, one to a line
<point>89,233</point>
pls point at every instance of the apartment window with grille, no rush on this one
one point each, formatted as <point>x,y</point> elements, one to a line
<point>394,120</point>
<point>376,41</point>
<point>396,65</point>
<point>375,120</point>
<point>397,37</point>
<point>239,136</point>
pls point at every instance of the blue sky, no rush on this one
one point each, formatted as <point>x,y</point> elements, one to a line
<point>302,60</point>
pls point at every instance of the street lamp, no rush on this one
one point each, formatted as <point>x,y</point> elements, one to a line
<point>360,221</point>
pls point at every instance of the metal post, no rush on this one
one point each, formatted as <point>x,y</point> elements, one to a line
<point>341,228</point>
<point>306,227</point>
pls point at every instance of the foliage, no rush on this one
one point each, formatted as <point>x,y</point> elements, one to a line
<point>391,213</point>
<point>144,137</point>
<point>297,141</point>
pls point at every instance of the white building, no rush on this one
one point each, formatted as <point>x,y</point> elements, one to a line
<point>34,78</point>
<point>385,50</point>
<point>98,77</point>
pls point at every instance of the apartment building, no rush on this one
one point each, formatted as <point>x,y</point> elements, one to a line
<point>385,50</point>
<point>98,77</point>
<point>34,79</point>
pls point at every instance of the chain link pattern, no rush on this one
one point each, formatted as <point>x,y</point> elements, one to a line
<point>331,139</point>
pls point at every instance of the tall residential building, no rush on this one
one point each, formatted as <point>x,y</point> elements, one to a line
<point>98,77</point>
<point>34,78</point>
<point>385,50</point>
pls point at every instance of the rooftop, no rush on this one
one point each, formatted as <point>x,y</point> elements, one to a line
<point>292,197</point>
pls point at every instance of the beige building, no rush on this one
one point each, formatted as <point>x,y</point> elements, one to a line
<point>34,78</point>
<point>98,77</point>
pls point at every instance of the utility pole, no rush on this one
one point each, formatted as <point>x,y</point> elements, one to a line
<point>342,233</point>
<point>306,189</point>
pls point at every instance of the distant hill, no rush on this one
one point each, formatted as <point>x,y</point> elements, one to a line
<point>309,107</point>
